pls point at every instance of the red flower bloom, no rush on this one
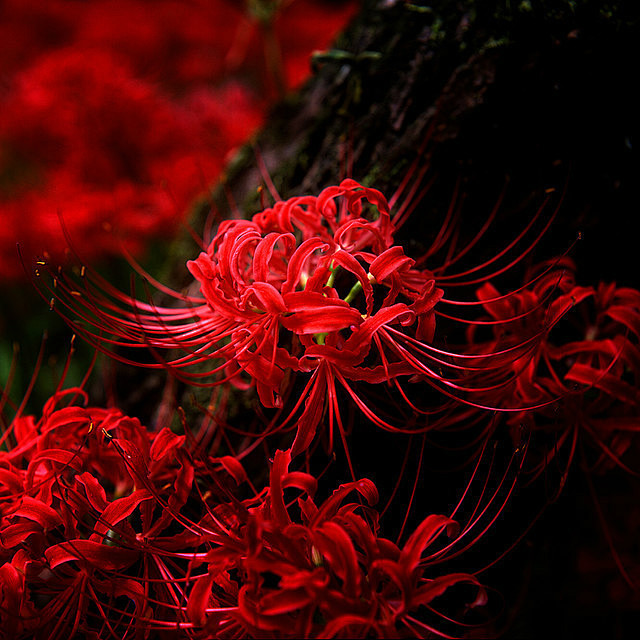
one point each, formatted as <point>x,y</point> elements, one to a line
<point>526,317</point>
<point>581,377</point>
<point>313,288</point>
<point>80,553</point>
<point>91,529</point>
<point>326,572</point>
<point>309,286</point>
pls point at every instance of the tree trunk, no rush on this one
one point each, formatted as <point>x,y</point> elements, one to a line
<point>536,93</point>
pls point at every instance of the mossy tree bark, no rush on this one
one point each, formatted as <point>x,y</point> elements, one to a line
<point>536,92</point>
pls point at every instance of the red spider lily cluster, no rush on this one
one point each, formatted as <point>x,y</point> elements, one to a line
<point>110,528</point>
<point>306,323</point>
<point>312,304</point>
<point>115,115</point>
<point>107,530</point>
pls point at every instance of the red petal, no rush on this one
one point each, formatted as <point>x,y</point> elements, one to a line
<point>428,530</point>
<point>199,599</point>
<point>337,548</point>
<point>117,511</point>
<point>61,456</point>
<point>364,487</point>
<point>360,341</point>
<point>348,262</point>
<point>104,556</point>
<point>313,410</point>
<point>314,313</point>
<point>11,480</point>
<point>15,534</point>
<point>388,262</point>
<point>268,297</point>
<point>626,316</point>
<point>39,512</point>
<point>133,459</point>
<point>300,480</point>
<point>601,379</point>
<point>165,442</point>
<point>279,468</point>
<point>233,467</point>
<point>264,253</point>
<point>298,260</point>
<point>500,309</point>
<point>11,599</point>
<point>94,490</point>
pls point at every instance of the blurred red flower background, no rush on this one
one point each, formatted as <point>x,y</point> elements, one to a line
<point>116,114</point>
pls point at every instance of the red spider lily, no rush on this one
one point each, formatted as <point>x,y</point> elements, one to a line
<point>600,372</point>
<point>271,301</point>
<point>69,437</point>
<point>325,572</point>
<point>589,364</point>
<point>91,529</point>
<point>57,520</point>
<point>527,316</point>
<point>586,359</point>
<point>103,526</point>
<point>312,287</point>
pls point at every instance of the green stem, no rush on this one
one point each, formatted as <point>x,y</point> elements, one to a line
<point>355,290</point>
<point>332,276</point>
